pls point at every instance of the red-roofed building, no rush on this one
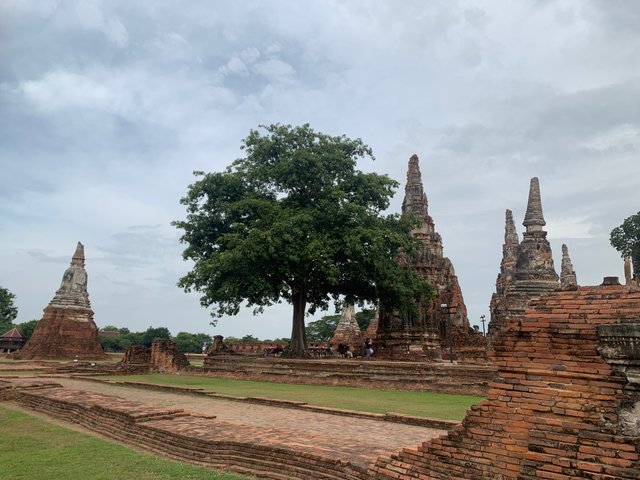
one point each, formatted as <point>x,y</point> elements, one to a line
<point>11,341</point>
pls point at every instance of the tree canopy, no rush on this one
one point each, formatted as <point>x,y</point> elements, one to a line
<point>8,309</point>
<point>27,328</point>
<point>294,220</point>
<point>322,330</point>
<point>626,239</point>
<point>191,342</point>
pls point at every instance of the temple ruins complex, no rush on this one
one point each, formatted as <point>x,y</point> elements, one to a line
<point>67,329</point>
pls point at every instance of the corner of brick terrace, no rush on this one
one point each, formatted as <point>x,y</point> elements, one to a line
<point>565,402</point>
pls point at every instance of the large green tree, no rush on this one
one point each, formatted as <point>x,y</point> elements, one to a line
<point>27,328</point>
<point>295,220</point>
<point>191,342</point>
<point>322,330</point>
<point>8,309</point>
<point>626,239</point>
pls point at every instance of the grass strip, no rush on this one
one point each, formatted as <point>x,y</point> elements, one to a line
<point>33,449</point>
<point>420,404</point>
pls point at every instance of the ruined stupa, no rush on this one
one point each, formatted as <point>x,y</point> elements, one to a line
<point>568,279</point>
<point>532,274</point>
<point>348,331</point>
<point>424,336</point>
<point>67,329</point>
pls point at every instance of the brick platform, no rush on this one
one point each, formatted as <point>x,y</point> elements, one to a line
<point>260,441</point>
<point>424,376</point>
<point>553,410</point>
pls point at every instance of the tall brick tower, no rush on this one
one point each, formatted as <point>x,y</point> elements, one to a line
<point>399,336</point>
<point>67,329</point>
<point>533,273</point>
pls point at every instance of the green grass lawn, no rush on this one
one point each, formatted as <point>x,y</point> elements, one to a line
<point>32,449</point>
<point>421,404</point>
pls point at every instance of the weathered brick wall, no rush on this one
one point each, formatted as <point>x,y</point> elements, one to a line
<point>165,357</point>
<point>251,348</point>
<point>552,409</point>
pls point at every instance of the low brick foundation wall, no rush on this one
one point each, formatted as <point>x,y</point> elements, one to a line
<point>435,423</point>
<point>553,410</point>
<point>173,433</point>
<point>435,377</point>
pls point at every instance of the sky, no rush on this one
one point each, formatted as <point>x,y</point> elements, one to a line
<point>107,107</point>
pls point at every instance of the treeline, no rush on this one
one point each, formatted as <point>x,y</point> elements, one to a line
<point>185,342</point>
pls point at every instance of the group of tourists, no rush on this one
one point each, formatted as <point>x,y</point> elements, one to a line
<point>367,350</point>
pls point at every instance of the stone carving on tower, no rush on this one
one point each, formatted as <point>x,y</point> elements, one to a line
<point>67,329</point>
<point>423,336</point>
<point>533,273</point>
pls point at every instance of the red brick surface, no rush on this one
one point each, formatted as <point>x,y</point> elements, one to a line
<point>551,411</point>
<point>264,441</point>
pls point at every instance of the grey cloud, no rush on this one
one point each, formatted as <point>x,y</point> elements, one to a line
<point>139,246</point>
<point>45,258</point>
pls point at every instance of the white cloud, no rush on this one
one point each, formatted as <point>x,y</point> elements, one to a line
<point>620,138</point>
<point>91,17</point>
<point>569,227</point>
<point>276,70</point>
<point>62,89</point>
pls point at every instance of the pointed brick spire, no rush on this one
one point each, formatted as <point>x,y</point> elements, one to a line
<point>510,234</point>
<point>415,200</point>
<point>372,329</point>
<point>78,256</point>
<point>533,219</point>
<point>348,320</point>
<point>568,278</point>
<point>348,331</point>
<point>73,289</point>
<point>534,267</point>
<point>509,254</point>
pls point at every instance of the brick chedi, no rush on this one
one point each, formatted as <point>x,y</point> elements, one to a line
<point>509,255</point>
<point>399,336</point>
<point>372,329</point>
<point>568,278</point>
<point>533,273</point>
<point>348,331</point>
<point>564,405</point>
<point>67,329</point>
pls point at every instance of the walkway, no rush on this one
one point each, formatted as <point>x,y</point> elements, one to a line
<point>357,440</point>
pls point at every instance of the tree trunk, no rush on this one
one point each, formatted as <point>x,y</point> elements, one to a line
<point>298,337</point>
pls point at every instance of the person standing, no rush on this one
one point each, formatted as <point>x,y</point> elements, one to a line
<point>368,350</point>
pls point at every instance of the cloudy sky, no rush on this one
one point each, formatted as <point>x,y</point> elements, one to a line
<point>107,107</point>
